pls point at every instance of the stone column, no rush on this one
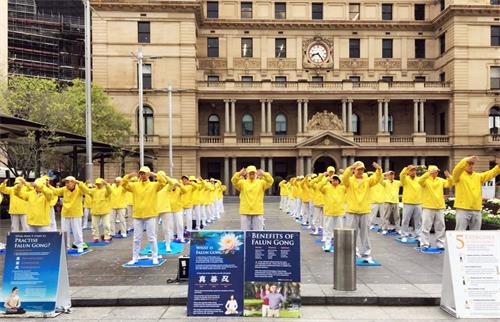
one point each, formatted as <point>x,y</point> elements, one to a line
<point>344,162</point>
<point>300,166</point>
<point>226,172</point>
<point>263,163</point>
<point>415,117</point>
<point>234,165</point>
<point>308,165</point>
<point>270,170</point>
<point>349,116</point>
<point>386,116</point>
<point>305,116</point>
<point>415,160</point>
<point>422,161</point>
<point>380,116</point>
<point>227,116</point>
<point>351,160</point>
<point>379,161</point>
<point>344,114</point>
<point>422,116</point>
<point>262,116</point>
<point>269,119</point>
<point>233,116</point>
<point>386,164</point>
<point>299,118</point>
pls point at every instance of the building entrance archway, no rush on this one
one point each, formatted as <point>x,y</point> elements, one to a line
<point>322,163</point>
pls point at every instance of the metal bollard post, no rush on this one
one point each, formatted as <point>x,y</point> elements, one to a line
<point>344,268</point>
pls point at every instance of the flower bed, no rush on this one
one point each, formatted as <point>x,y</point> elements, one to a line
<point>490,214</point>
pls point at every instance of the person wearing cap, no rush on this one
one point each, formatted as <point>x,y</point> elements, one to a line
<point>118,208</point>
<point>391,203</point>
<point>130,207</point>
<point>252,190</point>
<point>211,209</point>
<point>377,197</point>
<point>145,211</point>
<point>307,203</point>
<point>317,201</point>
<point>468,192</point>
<point>433,205</point>
<point>294,196</point>
<point>72,210</point>
<point>87,205</point>
<point>199,187</point>
<point>412,202</point>
<point>17,206</point>
<point>38,204</point>
<point>187,202</point>
<point>283,186</point>
<point>334,207</point>
<point>53,202</point>
<point>358,186</point>
<point>172,222</point>
<point>101,208</point>
<point>221,189</point>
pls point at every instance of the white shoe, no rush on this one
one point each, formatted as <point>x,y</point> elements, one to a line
<point>124,235</point>
<point>132,262</point>
<point>404,239</point>
<point>79,250</point>
<point>384,232</point>
<point>372,226</point>
<point>182,240</point>
<point>155,261</point>
<point>169,250</point>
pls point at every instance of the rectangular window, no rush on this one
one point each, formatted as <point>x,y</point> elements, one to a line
<point>144,32</point>
<point>386,48</point>
<point>246,47</point>
<point>419,79</point>
<point>386,11</point>
<point>419,48</point>
<point>495,35</point>
<point>247,79</point>
<point>213,9</point>
<point>420,12</point>
<point>495,77</point>
<point>280,79</point>
<point>317,79</point>
<point>212,79</point>
<point>354,11</point>
<point>146,76</point>
<point>494,1</point>
<point>280,48</point>
<point>354,48</point>
<point>213,47</point>
<point>355,80</point>
<point>280,10</point>
<point>442,43</point>
<point>246,10</point>
<point>442,4</point>
<point>317,10</point>
<point>388,79</point>
<point>442,77</point>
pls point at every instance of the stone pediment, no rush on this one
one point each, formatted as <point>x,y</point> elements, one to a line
<point>325,121</point>
<point>327,139</point>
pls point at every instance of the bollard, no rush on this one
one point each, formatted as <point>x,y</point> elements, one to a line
<point>344,268</point>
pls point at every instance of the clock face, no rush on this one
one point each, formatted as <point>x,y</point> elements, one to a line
<point>318,53</point>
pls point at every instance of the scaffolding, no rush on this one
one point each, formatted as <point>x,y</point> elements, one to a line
<point>44,45</point>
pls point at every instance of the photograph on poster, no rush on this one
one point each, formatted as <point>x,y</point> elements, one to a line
<point>272,299</point>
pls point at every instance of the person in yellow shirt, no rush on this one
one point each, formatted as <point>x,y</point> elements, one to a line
<point>38,204</point>
<point>334,207</point>
<point>221,189</point>
<point>187,202</point>
<point>283,194</point>
<point>53,202</point>
<point>17,206</point>
<point>307,203</point>
<point>72,212</point>
<point>197,192</point>
<point>101,208</point>
<point>377,197</point>
<point>317,200</point>
<point>145,211</point>
<point>468,192</point>
<point>211,209</point>
<point>174,220</point>
<point>118,208</point>
<point>252,183</point>
<point>87,204</point>
<point>433,205</point>
<point>412,203</point>
<point>358,186</point>
<point>391,203</point>
<point>295,200</point>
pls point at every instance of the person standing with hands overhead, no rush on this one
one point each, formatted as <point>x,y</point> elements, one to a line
<point>468,192</point>
<point>412,202</point>
<point>252,183</point>
<point>358,185</point>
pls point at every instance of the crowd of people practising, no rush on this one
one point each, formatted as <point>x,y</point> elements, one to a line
<point>353,198</point>
<point>133,202</point>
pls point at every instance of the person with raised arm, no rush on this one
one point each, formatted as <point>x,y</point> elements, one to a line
<point>412,202</point>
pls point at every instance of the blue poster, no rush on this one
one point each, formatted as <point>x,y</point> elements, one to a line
<point>216,273</point>
<point>31,271</point>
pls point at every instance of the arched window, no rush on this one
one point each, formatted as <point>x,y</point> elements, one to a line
<point>280,124</point>
<point>494,120</point>
<point>356,124</point>
<point>390,124</point>
<point>213,125</point>
<point>147,113</point>
<point>247,125</point>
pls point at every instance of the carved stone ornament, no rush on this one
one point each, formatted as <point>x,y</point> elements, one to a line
<point>353,64</point>
<point>212,63</point>
<point>325,121</point>
<point>419,64</point>
<point>388,64</point>
<point>246,63</point>
<point>281,63</point>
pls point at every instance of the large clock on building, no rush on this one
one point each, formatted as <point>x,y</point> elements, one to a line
<point>318,53</point>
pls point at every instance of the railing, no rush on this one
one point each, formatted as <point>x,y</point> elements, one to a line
<point>284,84</point>
<point>284,139</point>
<point>248,84</point>
<point>436,84</point>
<point>402,84</point>
<point>211,140</point>
<point>437,139</point>
<point>401,139</point>
<point>365,84</point>
<point>148,139</point>
<point>248,140</point>
<point>365,139</point>
<point>495,138</point>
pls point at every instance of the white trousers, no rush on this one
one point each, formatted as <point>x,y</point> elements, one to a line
<point>73,225</point>
<point>85,218</point>
<point>468,218</point>
<point>129,216</point>
<point>197,215</point>
<point>415,212</point>
<point>359,222</point>
<point>252,222</point>
<point>53,222</point>
<point>283,200</point>
<point>220,206</point>
<point>331,223</point>
<point>38,229</point>
<point>117,217</point>
<point>188,217</point>
<point>317,219</point>
<point>18,223</point>
<point>139,225</point>
<point>307,212</point>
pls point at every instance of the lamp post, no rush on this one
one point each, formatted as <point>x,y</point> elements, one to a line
<point>140,59</point>
<point>89,171</point>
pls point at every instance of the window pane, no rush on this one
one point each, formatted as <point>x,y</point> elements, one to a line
<point>247,78</point>
<point>442,43</point>
<point>213,78</point>
<point>280,79</point>
<point>246,10</point>
<point>442,77</point>
<point>495,35</point>
<point>386,11</point>
<point>213,9</point>
<point>354,48</point>
<point>419,48</point>
<point>388,79</point>
<point>280,48</point>
<point>213,47</point>
<point>317,11</point>
<point>419,78</point>
<point>420,12</point>
<point>143,28</point>
<point>280,124</point>
<point>354,13</point>
<point>246,47</point>
<point>386,48</point>
<point>247,125</point>
<point>317,79</point>
<point>280,10</point>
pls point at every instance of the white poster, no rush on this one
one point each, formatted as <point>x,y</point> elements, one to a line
<point>489,189</point>
<point>471,274</point>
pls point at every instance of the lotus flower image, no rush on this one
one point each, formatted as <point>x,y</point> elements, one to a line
<point>229,244</point>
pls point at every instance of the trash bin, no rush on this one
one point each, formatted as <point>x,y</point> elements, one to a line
<point>344,266</point>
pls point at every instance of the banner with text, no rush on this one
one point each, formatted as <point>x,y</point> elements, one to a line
<point>216,273</point>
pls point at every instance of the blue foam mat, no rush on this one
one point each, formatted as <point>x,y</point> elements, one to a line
<point>431,250</point>
<point>74,252</point>
<point>409,241</point>
<point>331,250</point>
<point>118,236</point>
<point>318,241</point>
<point>177,248</point>
<point>391,233</point>
<point>145,263</point>
<point>99,243</point>
<point>376,228</point>
<point>2,252</point>
<point>361,262</point>
<point>88,228</point>
<point>178,241</point>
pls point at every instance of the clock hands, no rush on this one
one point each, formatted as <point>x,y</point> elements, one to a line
<point>317,55</point>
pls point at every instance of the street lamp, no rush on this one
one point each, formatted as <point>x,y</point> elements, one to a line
<point>89,171</point>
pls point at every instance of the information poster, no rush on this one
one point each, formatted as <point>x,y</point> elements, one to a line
<point>35,272</point>
<point>471,274</point>
<point>272,274</point>
<point>488,189</point>
<point>216,273</point>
